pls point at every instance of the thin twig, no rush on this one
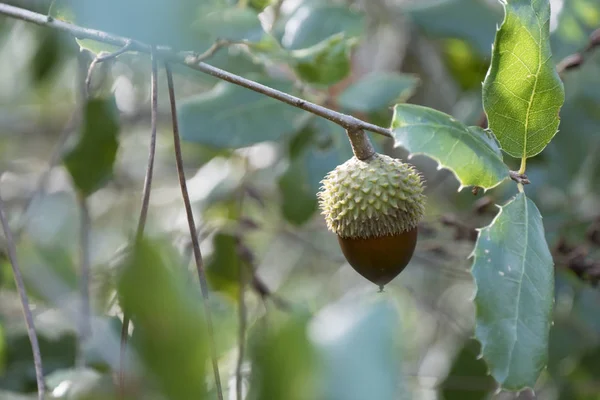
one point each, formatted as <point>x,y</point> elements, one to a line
<point>101,57</point>
<point>145,204</point>
<point>84,278</point>
<point>35,347</point>
<point>152,150</point>
<point>193,232</point>
<point>346,121</point>
<point>214,48</point>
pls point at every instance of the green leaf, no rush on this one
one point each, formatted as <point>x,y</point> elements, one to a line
<point>80,384</point>
<point>156,22</point>
<point>51,49</point>
<point>90,162</point>
<point>325,63</point>
<point>469,152</point>
<point>168,318</point>
<point>522,93</point>
<point>58,346</point>
<point>361,352</point>
<point>573,152</point>
<point>514,275</point>
<point>230,116</point>
<point>471,20</point>
<point>232,23</point>
<point>377,91</point>
<point>576,20</point>
<point>284,362</point>
<point>313,22</point>
<point>298,199</point>
<point>259,5</point>
<point>468,379</point>
<point>223,266</point>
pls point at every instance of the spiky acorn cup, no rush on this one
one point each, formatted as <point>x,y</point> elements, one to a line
<point>374,206</point>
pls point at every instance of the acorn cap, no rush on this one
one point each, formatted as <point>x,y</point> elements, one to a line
<point>377,197</point>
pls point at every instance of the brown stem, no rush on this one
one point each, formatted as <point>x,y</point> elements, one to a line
<point>193,232</point>
<point>35,347</point>
<point>101,57</point>
<point>145,205</point>
<point>346,121</point>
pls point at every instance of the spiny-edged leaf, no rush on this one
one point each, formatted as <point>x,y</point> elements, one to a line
<point>469,152</point>
<point>470,20</point>
<point>223,266</point>
<point>377,91</point>
<point>91,161</point>
<point>361,351</point>
<point>514,275</point>
<point>284,362</point>
<point>313,22</point>
<point>229,116</point>
<point>325,63</point>
<point>468,379</point>
<point>522,92</point>
<point>168,319</point>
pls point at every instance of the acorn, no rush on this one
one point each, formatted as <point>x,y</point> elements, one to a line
<point>374,206</point>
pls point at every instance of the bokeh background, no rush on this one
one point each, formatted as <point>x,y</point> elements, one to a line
<point>253,168</point>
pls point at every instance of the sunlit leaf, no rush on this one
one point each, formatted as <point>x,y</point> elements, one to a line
<point>230,116</point>
<point>378,90</point>
<point>168,318</point>
<point>469,152</point>
<point>514,275</point>
<point>522,93</point>
<point>324,63</point>
<point>90,162</point>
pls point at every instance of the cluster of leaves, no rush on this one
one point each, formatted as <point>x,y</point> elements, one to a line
<point>512,264</point>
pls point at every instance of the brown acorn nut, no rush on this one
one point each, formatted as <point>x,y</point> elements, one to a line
<point>374,206</point>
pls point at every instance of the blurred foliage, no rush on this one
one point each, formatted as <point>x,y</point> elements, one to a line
<point>253,167</point>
